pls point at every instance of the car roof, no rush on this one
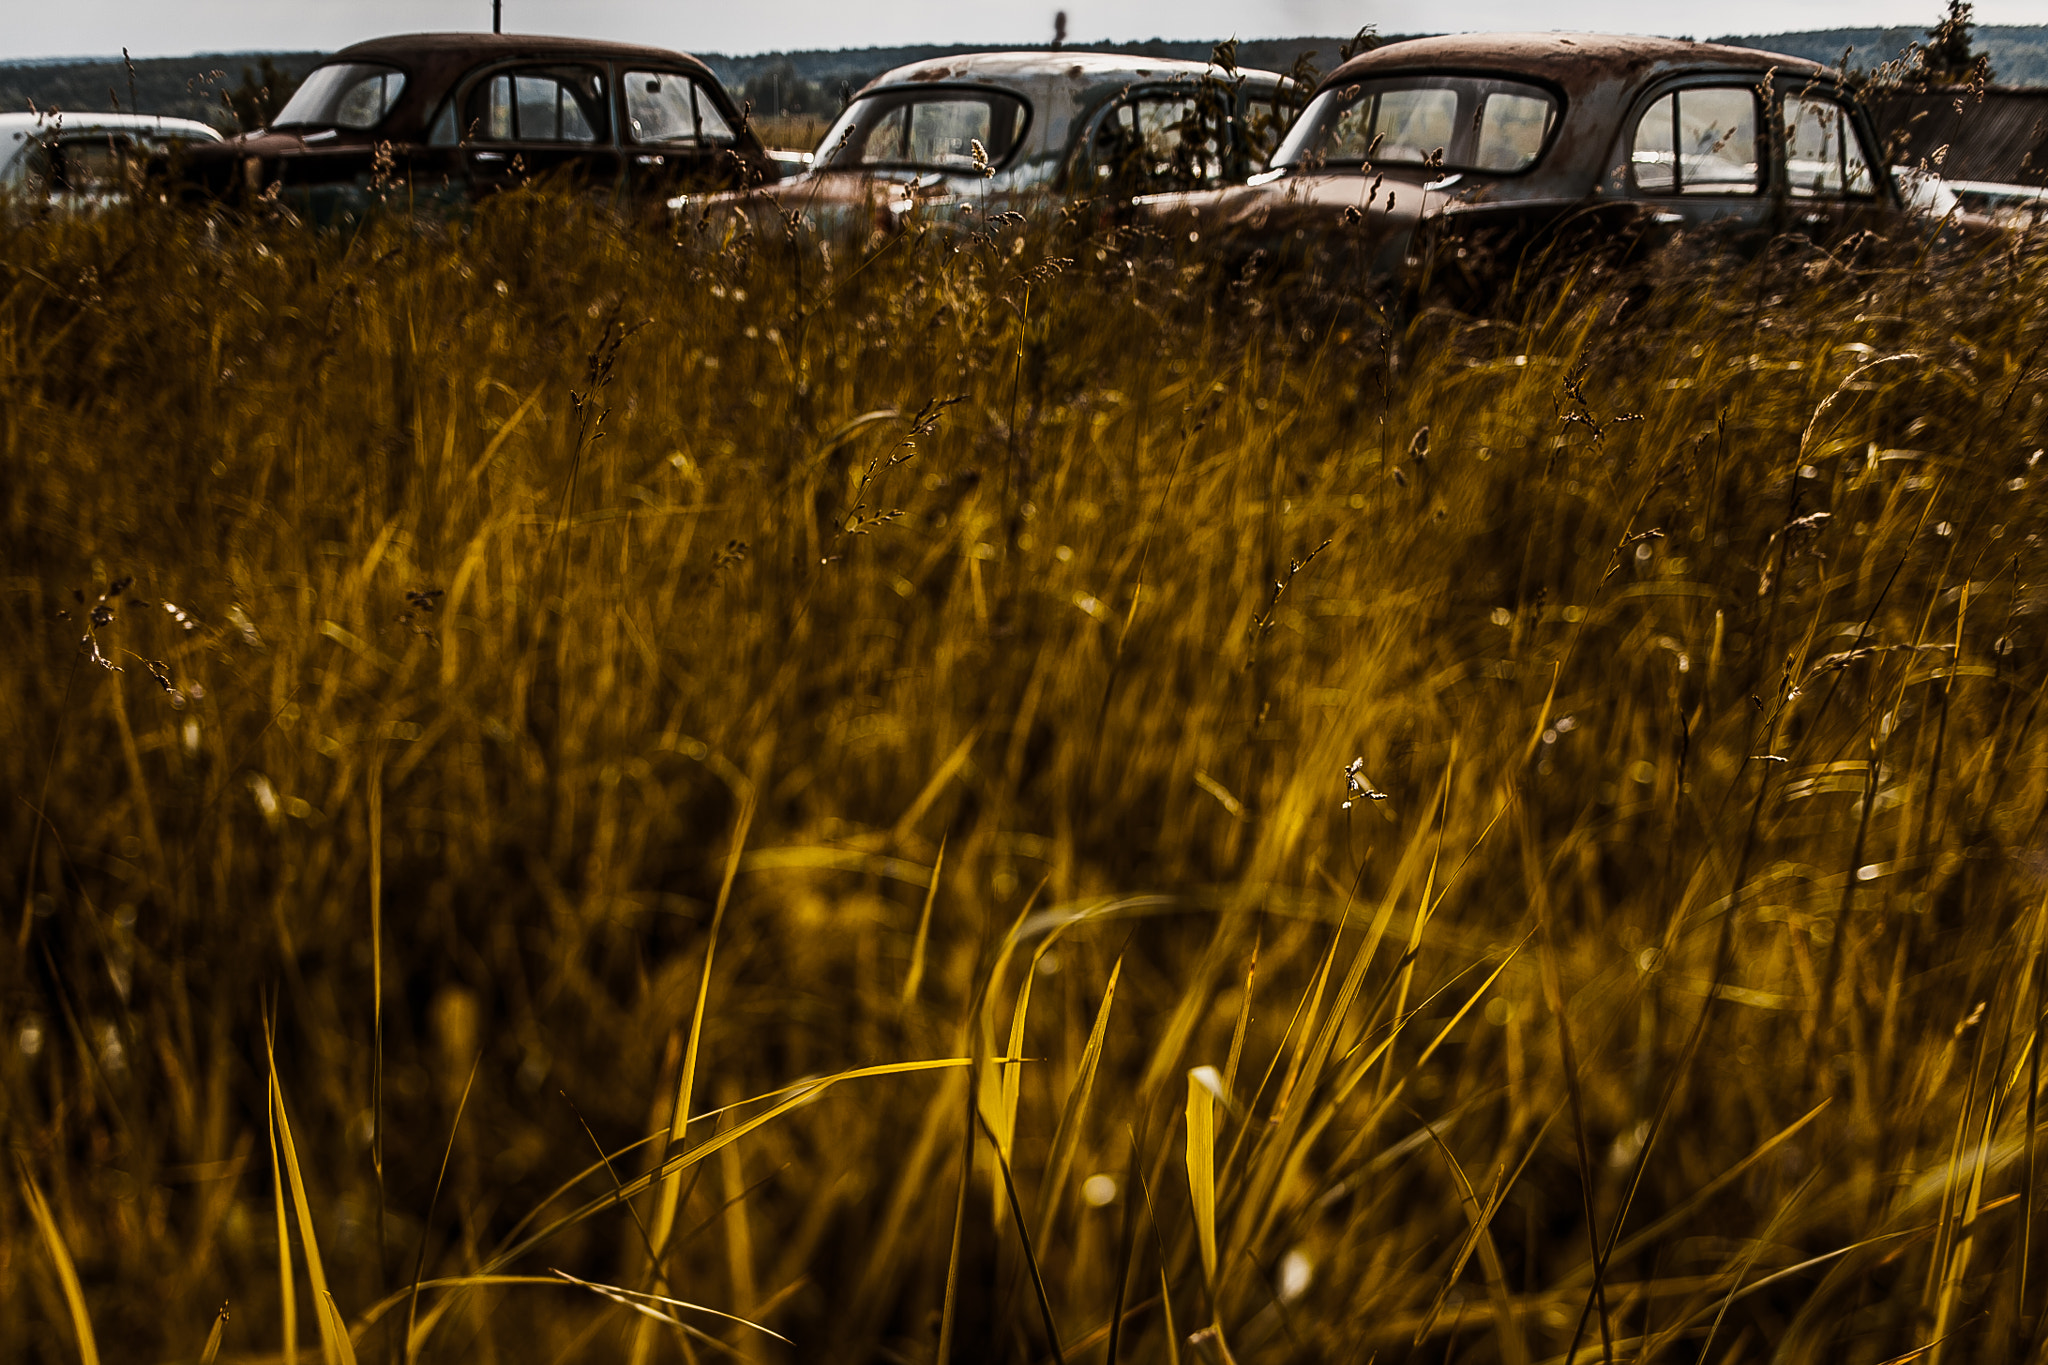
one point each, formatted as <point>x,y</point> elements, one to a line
<point>1567,59</point>
<point>17,126</point>
<point>397,48</point>
<point>1086,67</point>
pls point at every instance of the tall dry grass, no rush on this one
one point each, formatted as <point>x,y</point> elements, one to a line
<point>504,718</point>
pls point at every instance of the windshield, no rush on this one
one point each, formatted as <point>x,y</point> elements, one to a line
<point>344,95</point>
<point>926,130</point>
<point>1460,123</point>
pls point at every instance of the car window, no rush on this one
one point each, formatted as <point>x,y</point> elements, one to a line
<point>354,95</point>
<point>924,130</point>
<point>1394,125</point>
<point>1265,123</point>
<point>1462,123</point>
<point>1823,155</point>
<point>1511,130</point>
<point>664,108</point>
<point>1160,140</point>
<point>1701,140</point>
<point>96,163</point>
<point>539,104</point>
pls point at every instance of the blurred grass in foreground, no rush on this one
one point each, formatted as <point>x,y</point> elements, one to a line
<point>425,645</point>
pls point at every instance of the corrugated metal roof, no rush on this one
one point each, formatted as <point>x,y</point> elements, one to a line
<point>2000,137</point>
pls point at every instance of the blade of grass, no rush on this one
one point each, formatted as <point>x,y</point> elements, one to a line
<point>1052,1331</point>
<point>211,1351</point>
<point>1066,1138</point>
<point>60,1260</point>
<point>682,1161</point>
<point>1165,1290</point>
<point>419,1264</point>
<point>1553,991</point>
<point>950,1307</point>
<point>633,1297</point>
<point>686,1082</point>
<point>1244,1020</point>
<point>924,929</point>
<point>1514,1345</point>
<point>287,1287</point>
<point>335,1346</point>
<point>1201,1165</point>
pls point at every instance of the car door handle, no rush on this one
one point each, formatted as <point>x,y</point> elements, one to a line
<point>650,161</point>
<point>490,156</point>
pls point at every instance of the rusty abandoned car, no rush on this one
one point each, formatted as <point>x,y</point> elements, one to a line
<point>950,137</point>
<point>448,118</point>
<point>1499,145</point>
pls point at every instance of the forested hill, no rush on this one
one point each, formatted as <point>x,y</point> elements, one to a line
<point>213,86</point>
<point>2018,52</point>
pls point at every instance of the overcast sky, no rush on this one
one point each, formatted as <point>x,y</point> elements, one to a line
<point>55,28</point>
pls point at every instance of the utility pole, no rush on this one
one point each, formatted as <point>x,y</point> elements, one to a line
<point>497,16</point>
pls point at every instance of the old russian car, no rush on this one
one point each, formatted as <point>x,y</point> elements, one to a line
<point>991,131</point>
<point>453,117</point>
<point>1502,142</point>
<point>73,161</point>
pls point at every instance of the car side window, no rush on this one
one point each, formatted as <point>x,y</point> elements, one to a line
<point>1700,140</point>
<point>539,104</point>
<point>1512,128</point>
<point>96,163</point>
<point>1265,121</point>
<point>665,108</point>
<point>1823,156</point>
<point>1159,140</point>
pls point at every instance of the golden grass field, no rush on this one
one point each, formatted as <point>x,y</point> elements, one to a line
<point>556,767</point>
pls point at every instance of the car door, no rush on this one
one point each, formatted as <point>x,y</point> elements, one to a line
<point>1698,154</point>
<point>543,119</point>
<point>677,133</point>
<point>93,167</point>
<point>1832,185</point>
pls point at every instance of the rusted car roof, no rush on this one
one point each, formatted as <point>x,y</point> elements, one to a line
<point>1598,73</point>
<point>1574,60</point>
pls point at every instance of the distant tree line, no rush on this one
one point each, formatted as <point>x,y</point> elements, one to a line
<point>230,92</point>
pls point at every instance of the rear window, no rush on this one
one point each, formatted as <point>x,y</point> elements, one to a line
<point>932,130</point>
<point>353,95</point>
<point>1463,123</point>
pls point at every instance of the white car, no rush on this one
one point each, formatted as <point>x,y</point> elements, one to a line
<point>1925,193</point>
<point>996,130</point>
<point>79,161</point>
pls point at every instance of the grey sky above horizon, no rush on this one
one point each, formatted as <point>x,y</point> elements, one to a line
<point>104,27</point>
